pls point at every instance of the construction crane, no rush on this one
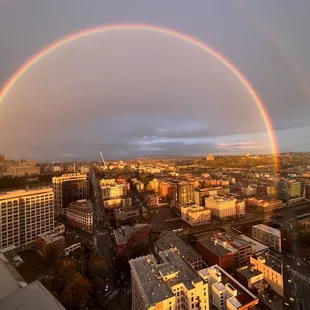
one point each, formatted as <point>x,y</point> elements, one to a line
<point>102,159</point>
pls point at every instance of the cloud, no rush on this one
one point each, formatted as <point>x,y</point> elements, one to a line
<point>241,145</point>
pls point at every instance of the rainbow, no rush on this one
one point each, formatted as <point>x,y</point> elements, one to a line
<point>123,27</point>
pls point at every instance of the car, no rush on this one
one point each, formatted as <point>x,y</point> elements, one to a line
<point>298,264</point>
<point>107,287</point>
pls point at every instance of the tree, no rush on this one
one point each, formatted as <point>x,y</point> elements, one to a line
<point>76,293</point>
<point>97,266</point>
<point>66,269</point>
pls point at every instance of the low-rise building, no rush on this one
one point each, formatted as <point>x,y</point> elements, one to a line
<point>249,191</point>
<point>169,282</point>
<point>129,240</point>
<point>117,203</point>
<point>264,205</point>
<point>169,240</point>
<point>23,170</point>
<point>195,215</point>
<point>50,241</point>
<point>124,214</point>
<point>152,200</point>
<point>272,269</point>
<point>114,191</point>
<point>80,214</point>
<point>227,250</point>
<point>223,207</point>
<point>225,292</point>
<point>268,235</point>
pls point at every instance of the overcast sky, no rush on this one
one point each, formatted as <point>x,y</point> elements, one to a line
<point>139,93</point>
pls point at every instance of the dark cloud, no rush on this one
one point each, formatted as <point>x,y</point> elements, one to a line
<point>107,92</point>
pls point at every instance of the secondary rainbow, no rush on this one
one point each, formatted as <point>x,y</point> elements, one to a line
<point>123,27</point>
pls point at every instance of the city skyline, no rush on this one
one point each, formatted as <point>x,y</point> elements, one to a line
<point>189,104</point>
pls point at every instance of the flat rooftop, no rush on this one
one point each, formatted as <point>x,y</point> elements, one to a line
<point>147,272</point>
<point>24,193</point>
<point>257,247</point>
<point>244,296</point>
<point>221,198</point>
<point>271,261</point>
<point>215,247</point>
<point>34,296</point>
<point>123,234</point>
<point>168,240</point>
<point>248,272</point>
<point>268,230</point>
<point>50,237</point>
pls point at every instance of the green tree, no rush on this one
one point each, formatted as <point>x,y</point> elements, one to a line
<point>76,293</point>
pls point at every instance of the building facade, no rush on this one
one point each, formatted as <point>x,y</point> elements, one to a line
<point>272,269</point>
<point>183,194</point>
<point>195,215</point>
<point>130,240</point>
<point>50,241</point>
<point>80,214</point>
<point>168,282</point>
<point>268,235</point>
<point>222,207</point>
<point>69,188</point>
<point>24,215</point>
<point>169,240</point>
<point>114,191</point>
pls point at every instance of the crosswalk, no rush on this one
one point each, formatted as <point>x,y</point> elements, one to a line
<point>112,294</point>
<point>300,275</point>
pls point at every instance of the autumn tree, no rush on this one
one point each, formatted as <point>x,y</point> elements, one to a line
<point>97,266</point>
<point>66,269</point>
<point>76,293</point>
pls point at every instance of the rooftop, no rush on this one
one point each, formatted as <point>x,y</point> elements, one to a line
<point>257,247</point>
<point>31,297</point>
<point>169,240</point>
<point>248,272</point>
<point>244,296</point>
<point>223,243</point>
<point>123,234</point>
<point>149,275</point>
<point>82,205</point>
<point>221,198</point>
<point>16,294</point>
<point>24,193</point>
<point>271,261</point>
<point>269,230</point>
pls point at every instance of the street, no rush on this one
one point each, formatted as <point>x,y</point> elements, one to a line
<point>102,238</point>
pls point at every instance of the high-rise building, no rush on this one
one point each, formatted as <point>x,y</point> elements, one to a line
<point>169,282</point>
<point>24,215</point>
<point>289,189</point>
<point>183,194</point>
<point>80,214</point>
<point>68,188</point>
